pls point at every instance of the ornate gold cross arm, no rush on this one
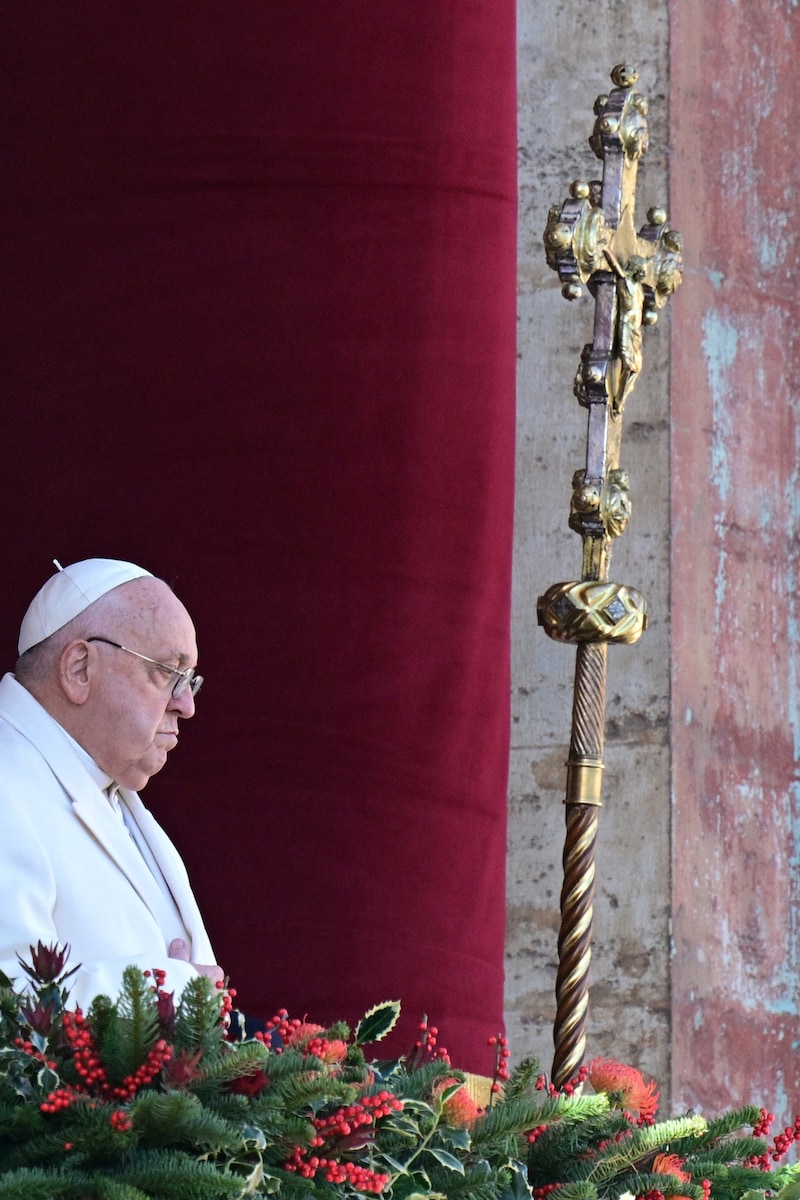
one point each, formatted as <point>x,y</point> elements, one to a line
<point>591,241</point>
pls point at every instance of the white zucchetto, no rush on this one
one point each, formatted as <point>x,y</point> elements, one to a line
<point>70,591</point>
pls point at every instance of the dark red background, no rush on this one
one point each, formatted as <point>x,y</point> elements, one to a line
<point>259,336</point>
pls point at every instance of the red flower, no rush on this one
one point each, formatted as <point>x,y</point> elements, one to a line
<point>306,1037</point>
<point>40,1016</point>
<point>304,1031</point>
<point>47,963</point>
<point>165,1004</point>
<point>624,1086</point>
<point>670,1164</point>
<point>182,1071</point>
<point>459,1110</point>
<point>249,1085</point>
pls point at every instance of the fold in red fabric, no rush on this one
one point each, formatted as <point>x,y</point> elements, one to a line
<point>259,337</point>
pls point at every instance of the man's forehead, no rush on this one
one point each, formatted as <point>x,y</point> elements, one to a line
<point>151,604</point>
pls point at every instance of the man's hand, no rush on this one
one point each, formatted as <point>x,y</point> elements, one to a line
<point>179,949</point>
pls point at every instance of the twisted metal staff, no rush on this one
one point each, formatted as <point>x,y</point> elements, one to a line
<point>592,240</point>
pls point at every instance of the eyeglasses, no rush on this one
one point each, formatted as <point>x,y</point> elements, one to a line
<point>185,679</point>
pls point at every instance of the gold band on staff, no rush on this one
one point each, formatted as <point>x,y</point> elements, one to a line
<point>584,782</point>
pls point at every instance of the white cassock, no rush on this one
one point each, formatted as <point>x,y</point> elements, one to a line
<point>73,871</point>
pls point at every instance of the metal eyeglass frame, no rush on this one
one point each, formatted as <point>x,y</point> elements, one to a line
<point>186,679</point>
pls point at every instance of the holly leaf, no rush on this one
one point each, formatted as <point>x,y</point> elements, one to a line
<point>379,1021</point>
<point>447,1160</point>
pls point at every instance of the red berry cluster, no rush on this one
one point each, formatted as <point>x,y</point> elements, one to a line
<point>303,1036</point>
<point>784,1141</point>
<point>539,1193</point>
<point>341,1124</point>
<point>426,1047</point>
<point>543,1084</point>
<point>706,1186</point>
<point>28,1048</point>
<point>763,1125</point>
<point>280,1024</point>
<point>576,1082</point>
<point>120,1121</point>
<point>59,1099</point>
<point>91,1070</point>
<point>85,1056</point>
<point>620,1136</point>
<point>363,1179</point>
<point>89,1066</point>
<point>319,1047</point>
<point>536,1133</point>
<point>227,999</point>
<point>501,1057</point>
<point>350,1117</point>
<point>156,1059</point>
<point>781,1143</point>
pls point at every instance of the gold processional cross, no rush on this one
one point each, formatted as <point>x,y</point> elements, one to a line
<point>591,239</point>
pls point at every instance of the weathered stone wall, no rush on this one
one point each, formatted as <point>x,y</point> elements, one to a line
<point>700,834</point>
<point>735,728</point>
<point>566,52</point>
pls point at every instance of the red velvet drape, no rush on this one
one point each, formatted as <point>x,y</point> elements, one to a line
<point>259,336</point>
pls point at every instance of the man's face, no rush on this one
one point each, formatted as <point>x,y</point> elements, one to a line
<point>131,717</point>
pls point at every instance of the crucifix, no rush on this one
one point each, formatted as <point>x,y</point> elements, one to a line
<point>591,240</point>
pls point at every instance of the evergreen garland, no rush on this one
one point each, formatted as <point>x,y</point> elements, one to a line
<point>140,1099</point>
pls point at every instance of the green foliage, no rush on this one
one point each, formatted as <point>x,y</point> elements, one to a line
<point>197,1017</point>
<point>146,1101</point>
<point>379,1021</point>
<point>180,1119</point>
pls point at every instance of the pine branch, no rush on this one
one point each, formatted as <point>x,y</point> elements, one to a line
<point>641,1182</point>
<point>745,1117</point>
<point>18,1123</point>
<point>565,1152</point>
<point>625,1154</point>
<point>313,1091</point>
<point>281,1139</point>
<point>522,1078</point>
<point>108,1188</point>
<point>104,1025</point>
<point>418,1084</point>
<point>732,1183</point>
<point>581,1190</point>
<point>43,1183</point>
<point>169,1175</point>
<point>735,1149</point>
<point>215,1070</point>
<point>474,1184</point>
<point>541,1110</point>
<point>197,1021</point>
<point>138,1019</point>
<point>179,1119</point>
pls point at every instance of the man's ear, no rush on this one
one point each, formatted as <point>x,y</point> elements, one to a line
<point>74,673</point>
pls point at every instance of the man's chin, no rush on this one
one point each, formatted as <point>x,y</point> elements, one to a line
<point>137,777</point>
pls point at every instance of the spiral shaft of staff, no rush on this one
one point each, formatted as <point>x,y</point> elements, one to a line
<point>577,893</point>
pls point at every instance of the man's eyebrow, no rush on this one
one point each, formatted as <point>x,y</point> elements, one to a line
<point>177,656</point>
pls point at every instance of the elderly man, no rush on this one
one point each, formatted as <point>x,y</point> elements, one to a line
<point>105,675</point>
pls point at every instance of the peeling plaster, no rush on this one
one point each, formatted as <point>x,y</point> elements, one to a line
<point>720,346</point>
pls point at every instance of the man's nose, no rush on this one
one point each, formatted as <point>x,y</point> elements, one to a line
<point>183,704</point>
